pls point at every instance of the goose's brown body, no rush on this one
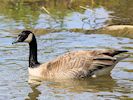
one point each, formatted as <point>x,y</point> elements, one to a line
<point>78,64</point>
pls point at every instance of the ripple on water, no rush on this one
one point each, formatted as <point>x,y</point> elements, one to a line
<point>14,62</point>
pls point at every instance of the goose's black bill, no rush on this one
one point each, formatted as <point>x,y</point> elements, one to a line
<point>20,38</point>
<point>17,40</point>
<point>14,42</point>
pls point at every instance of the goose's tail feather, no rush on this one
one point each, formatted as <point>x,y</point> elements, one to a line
<point>114,52</point>
<point>119,51</point>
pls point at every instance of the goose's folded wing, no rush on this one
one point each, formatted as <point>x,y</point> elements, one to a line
<point>83,59</point>
<point>80,64</point>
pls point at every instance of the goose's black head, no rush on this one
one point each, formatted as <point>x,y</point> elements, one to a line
<point>24,36</point>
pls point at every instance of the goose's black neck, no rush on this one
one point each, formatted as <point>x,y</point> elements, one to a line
<point>33,62</point>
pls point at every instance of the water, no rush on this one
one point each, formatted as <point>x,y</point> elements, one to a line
<point>14,58</point>
<point>14,75</point>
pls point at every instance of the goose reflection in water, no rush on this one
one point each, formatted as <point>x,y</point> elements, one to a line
<point>57,87</point>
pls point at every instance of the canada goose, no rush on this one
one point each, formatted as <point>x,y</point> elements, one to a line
<point>72,65</point>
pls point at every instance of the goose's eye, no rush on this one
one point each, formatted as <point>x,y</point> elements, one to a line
<point>22,35</point>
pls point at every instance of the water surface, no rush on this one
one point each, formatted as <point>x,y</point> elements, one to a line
<point>27,14</point>
<point>14,64</point>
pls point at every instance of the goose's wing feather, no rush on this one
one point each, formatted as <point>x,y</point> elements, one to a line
<point>82,63</point>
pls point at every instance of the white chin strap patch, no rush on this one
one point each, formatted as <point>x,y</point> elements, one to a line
<point>29,38</point>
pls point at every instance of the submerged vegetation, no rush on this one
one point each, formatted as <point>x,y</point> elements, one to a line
<point>71,15</point>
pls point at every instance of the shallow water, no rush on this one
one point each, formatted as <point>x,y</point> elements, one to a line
<point>14,58</point>
<point>14,62</point>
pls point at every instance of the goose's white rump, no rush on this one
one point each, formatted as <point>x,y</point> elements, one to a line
<point>78,64</point>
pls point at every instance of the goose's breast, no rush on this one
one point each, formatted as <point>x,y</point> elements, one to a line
<point>35,71</point>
